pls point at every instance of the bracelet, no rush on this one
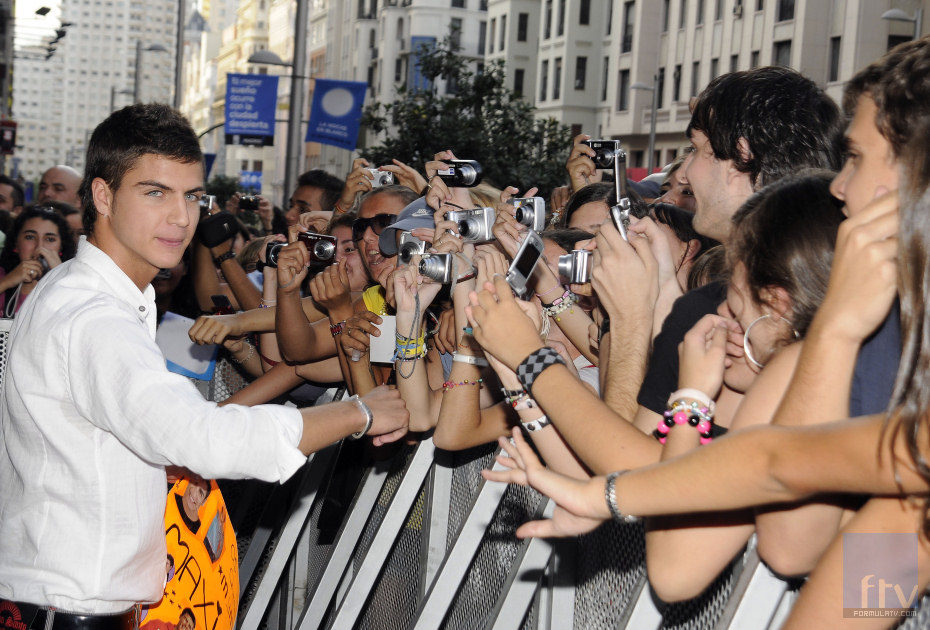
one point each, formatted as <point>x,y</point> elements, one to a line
<point>555,288</point>
<point>610,493</point>
<point>267,360</point>
<point>694,394</point>
<point>683,412</point>
<point>337,209</point>
<point>337,329</point>
<point>560,305</point>
<point>369,417</point>
<point>408,356</point>
<point>248,356</point>
<point>219,260</point>
<point>267,303</point>
<point>523,402</point>
<point>567,295</point>
<point>452,384</point>
<point>467,358</point>
<point>511,395</point>
<point>533,365</point>
<point>538,424</point>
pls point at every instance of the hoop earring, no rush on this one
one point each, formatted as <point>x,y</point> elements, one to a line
<point>746,348</point>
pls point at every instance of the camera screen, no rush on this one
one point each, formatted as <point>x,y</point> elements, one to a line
<point>527,260</point>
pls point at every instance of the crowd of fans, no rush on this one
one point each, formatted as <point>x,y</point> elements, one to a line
<point>774,275</point>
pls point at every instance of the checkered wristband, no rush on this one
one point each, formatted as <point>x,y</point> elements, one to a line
<point>533,365</point>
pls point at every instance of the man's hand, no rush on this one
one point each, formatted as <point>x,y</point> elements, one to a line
<point>406,176</point>
<point>445,339</point>
<point>864,264</point>
<point>624,275</point>
<point>580,165</point>
<point>214,329</point>
<point>558,200</point>
<point>315,220</point>
<point>390,414</point>
<point>358,181</point>
<point>292,268</point>
<point>265,212</point>
<point>357,333</point>
<point>330,288</point>
<point>439,193</point>
<point>500,325</point>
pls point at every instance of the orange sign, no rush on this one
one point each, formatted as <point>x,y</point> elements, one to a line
<point>202,566</point>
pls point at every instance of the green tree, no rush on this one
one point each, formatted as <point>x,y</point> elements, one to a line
<point>480,120</point>
<point>223,187</point>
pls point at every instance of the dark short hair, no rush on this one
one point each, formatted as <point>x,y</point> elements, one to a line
<point>785,236</point>
<point>329,184</point>
<point>9,258</point>
<point>789,123</point>
<point>19,194</point>
<point>345,219</point>
<point>125,136</point>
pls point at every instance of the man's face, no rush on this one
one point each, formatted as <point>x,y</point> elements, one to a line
<point>871,168</point>
<point>149,221</point>
<point>379,267</point>
<point>719,189</point>
<point>6,198</point>
<point>304,199</point>
<point>58,184</point>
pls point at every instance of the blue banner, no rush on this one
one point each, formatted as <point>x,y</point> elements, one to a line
<point>336,112</point>
<point>415,79</point>
<point>251,181</point>
<point>251,101</point>
<point>208,160</point>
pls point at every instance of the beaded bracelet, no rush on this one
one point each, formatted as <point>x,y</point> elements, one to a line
<point>452,384</point>
<point>538,424</point>
<point>524,402</point>
<point>560,305</point>
<point>267,303</point>
<point>683,412</point>
<point>337,329</point>
<point>545,293</point>
<point>511,396</point>
<point>248,356</point>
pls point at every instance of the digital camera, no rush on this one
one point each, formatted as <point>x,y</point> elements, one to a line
<point>248,202</point>
<point>409,246</point>
<point>437,267</point>
<point>606,152</point>
<point>214,228</point>
<point>530,211</point>
<point>321,247</point>
<point>381,178</point>
<point>575,268</point>
<point>475,225</point>
<point>460,174</point>
<point>207,203</point>
<point>521,269</point>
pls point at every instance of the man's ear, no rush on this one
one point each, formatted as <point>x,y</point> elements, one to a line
<point>102,196</point>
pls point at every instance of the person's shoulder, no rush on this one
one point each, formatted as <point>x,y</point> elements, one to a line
<point>694,305</point>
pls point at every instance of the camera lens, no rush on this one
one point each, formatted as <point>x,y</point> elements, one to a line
<point>432,268</point>
<point>465,229</point>
<point>467,173</point>
<point>406,253</point>
<point>271,254</point>
<point>323,250</point>
<point>604,158</point>
<point>565,266</point>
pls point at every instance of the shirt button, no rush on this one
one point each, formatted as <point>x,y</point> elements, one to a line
<point>142,309</point>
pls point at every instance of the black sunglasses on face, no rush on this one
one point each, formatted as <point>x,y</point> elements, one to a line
<point>377,224</point>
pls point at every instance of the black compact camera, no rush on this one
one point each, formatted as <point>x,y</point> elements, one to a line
<point>606,152</point>
<point>321,247</point>
<point>248,202</point>
<point>215,228</point>
<point>461,174</point>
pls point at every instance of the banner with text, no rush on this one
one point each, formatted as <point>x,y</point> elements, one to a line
<point>336,112</point>
<point>251,101</point>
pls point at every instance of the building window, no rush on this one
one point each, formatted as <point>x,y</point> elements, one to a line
<point>700,12</point>
<point>557,79</point>
<point>835,58</point>
<point>523,22</point>
<point>714,68</point>
<point>683,15</point>
<point>627,43</point>
<point>482,36</point>
<point>666,7</point>
<point>610,15</point>
<point>894,40</point>
<point>785,10</point>
<point>781,53</point>
<point>493,32</point>
<point>718,10</point>
<point>695,75</point>
<point>660,87</point>
<point>604,78</point>
<point>754,60</point>
<point>458,4</point>
<point>623,90</point>
<point>455,32</point>
<point>734,62</point>
<point>581,70</point>
<point>518,82</point>
<point>676,84</point>
<point>547,32</point>
<point>760,4</point>
<point>584,12</point>
<point>561,28</point>
<point>398,69</point>
<point>503,32</point>
<point>543,80</point>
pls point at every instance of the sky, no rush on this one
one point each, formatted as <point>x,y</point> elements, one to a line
<point>29,26</point>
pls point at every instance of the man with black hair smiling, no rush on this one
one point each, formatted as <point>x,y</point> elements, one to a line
<point>91,416</point>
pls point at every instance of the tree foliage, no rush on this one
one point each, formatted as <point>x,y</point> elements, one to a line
<point>480,120</point>
<point>223,186</point>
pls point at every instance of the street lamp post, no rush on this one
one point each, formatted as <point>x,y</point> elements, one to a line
<point>137,81</point>
<point>652,119</point>
<point>897,15</point>
<point>113,93</point>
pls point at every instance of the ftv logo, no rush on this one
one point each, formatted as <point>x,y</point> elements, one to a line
<point>879,575</point>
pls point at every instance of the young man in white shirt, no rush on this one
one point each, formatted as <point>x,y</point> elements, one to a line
<point>91,416</point>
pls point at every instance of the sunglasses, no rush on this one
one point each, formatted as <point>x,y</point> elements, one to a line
<point>377,224</point>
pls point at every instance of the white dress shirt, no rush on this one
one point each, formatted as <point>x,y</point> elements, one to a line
<point>90,416</point>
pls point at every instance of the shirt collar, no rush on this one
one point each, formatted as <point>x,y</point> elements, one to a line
<point>142,302</point>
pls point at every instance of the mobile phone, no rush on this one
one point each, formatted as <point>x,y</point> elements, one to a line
<point>222,305</point>
<point>521,269</point>
<point>620,214</point>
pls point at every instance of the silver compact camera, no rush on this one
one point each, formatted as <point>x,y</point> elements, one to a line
<point>530,211</point>
<point>381,178</point>
<point>521,269</point>
<point>606,152</point>
<point>437,267</point>
<point>474,225</point>
<point>409,246</point>
<point>575,267</point>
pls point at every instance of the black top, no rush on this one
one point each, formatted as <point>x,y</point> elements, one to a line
<point>662,373</point>
<point>877,367</point>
